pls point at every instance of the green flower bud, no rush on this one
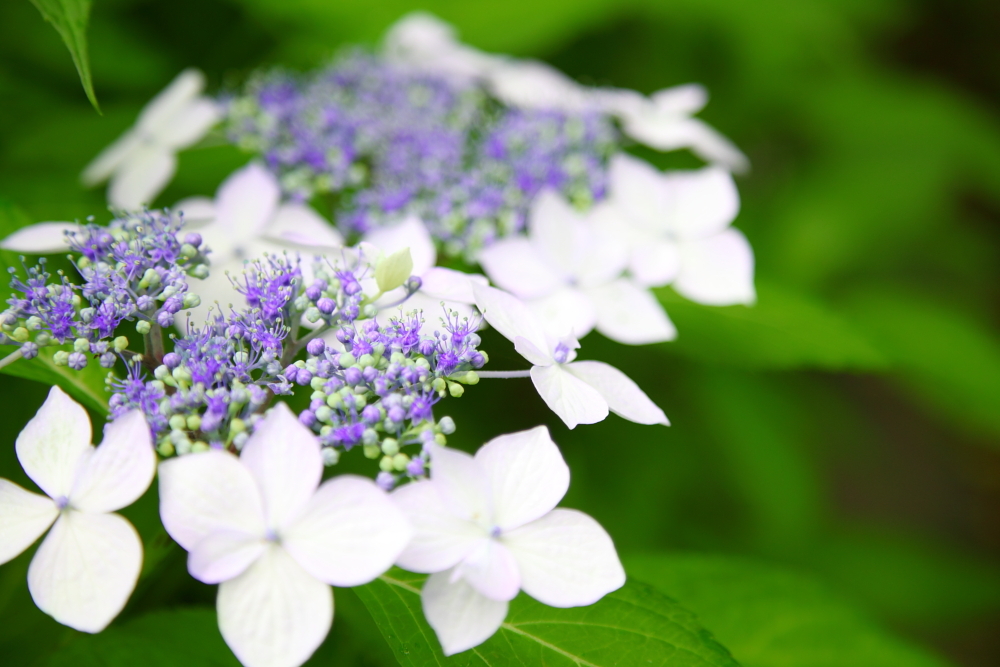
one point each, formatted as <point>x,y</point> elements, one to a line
<point>335,401</point>
<point>181,374</point>
<point>346,360</point>
<point>366,360</point>
<point>472,377</point>
<point>330,456</point>
<point>237,426</point>
<point>323,413</point>
<point>313,315</point>
<point>392,271</point>
<point>143,327</point>
<point>199,446</point>
<point>390,447</point>
<point>372,451</point>
<point>455,389</point>
<point>165,449</point>
<point>400,461</point>
<point>439,385</point>
<point>34,323</point>
<point>188,251</point>
<point>317,382</point>
<point>60,358</point>
<point>20,334</point>
<point>200,272</point>
<point>440,439</point>
<point>191,300</point>
<point>177,423</point>
<point>121,344</point>
<point>386,464</point>
<point>43,338</point>
<point>161,372</point>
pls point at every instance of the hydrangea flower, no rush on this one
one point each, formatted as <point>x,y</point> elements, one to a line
<point>568,270</point>
<point>143,160</point>
<point>579,392</point>
<point>247,220</point>
<point>487,526</point>
<point>88,565</point>
<point>677,225</point>
<point>275,539</point>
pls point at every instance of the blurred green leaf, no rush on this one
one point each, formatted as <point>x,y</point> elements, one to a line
<point>188,637</point>
<point>948,359</point>
<point>69,18</point>
<point>86,386</point>
<point>634,625</point>
<point>784,329</point>
<point>770,617</point>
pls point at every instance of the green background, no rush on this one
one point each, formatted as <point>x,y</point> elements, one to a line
<point>836,448</point>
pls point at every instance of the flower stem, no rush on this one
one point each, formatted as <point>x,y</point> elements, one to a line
<point>10,358</point>
<point>503,375</point>
<point>153,343</point>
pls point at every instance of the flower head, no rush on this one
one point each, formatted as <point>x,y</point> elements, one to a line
<point>486,527</point>
<point>264,527</point>
<point>87,566</point>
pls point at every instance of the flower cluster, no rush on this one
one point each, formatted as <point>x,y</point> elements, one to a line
<point>392,142</point>
<point>135,269</point>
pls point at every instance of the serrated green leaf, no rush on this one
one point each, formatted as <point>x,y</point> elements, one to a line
<point>188,637</point>
<point>784,329</point>
<point>69,18</point>
<point>634,625</point>
<point>769,617</point>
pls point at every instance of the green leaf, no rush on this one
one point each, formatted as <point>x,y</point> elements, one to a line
<point>69,18</point>
<point>188,637</point>
<point>769,617</point>
<point>945,357</point>
<point>634,625</point>
<point>86,386</point>
<point>784,329</point>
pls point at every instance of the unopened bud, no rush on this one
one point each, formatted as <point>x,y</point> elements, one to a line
<point>143,327</point>
<point>121,344</point>
<point>372,451</point>
<point>393,270</point>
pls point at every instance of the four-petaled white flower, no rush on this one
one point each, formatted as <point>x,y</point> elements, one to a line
<point>678,227</point>
<point>568,271</point>
<point>486,527</point>
<point>88,565</point>
<point>246,220</point>
<point>143,160</point>
<point>264,527</point>
<point>437,283</point>
<point>579,392</point>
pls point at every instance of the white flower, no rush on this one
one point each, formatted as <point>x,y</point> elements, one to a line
<point>426,43</point>
<point>486,527</point>
<point>579,392</point>
<point>264,527</point>
<point>246,220</point>
<point>568,271</point>
<point>87,566</point>
<point>143,160</point>
<point>41,238</point>
<point>678,226</point>
<point>438,284</point>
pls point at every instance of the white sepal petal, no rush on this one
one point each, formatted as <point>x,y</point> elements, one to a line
<point>527,474</point>
<point>510,316</point>
<point>566,559</point>
<point>285,460</point>
<point>637,189</point>
<point>491,569</point>
<point>630,314</point>
<point>197,211</point>
<point>567,311</point>
<point>349,533</point>
<point>461,617</point>
<point>246,201</point>
<point>516,265</point>
<point>85,570</point>
<point>702,202</point>
<point>718,270</point>
<point>111,158</point>
<point>50,446</point>
<point>171,100</point>
<point>301,228</point>
<point>441,538</point>
<point>654,262</point>
<point>41,238</point>
<point>140,179</point>
<point>205,493</point>
<point>24,516</point>
<point>463,485</point>
<point>274,614</point>
<point>440,283</point>
<point>120,470</point>
<point>189,124</point>
<point>410,233</point>
<point>574,401</point>
<point>624,396</point>
<point>224,555</point>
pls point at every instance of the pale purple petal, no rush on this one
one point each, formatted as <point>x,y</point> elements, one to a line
<point>410,233</point>
<point>655,262</point>
<point>41,238</point>
<point>24,516</point>
<point>567,311</point>
<point>52,443</point>
<point>574,401</point>
<point>120,470</point>
<point>718,270</point>
<point>441,537</point>
<point>701,202</point>
<point>637,190</point>
<point>141,177</point>
<point>623,395</point>
<point>490,568</point>
<point>516,265</point>
<point>189,123</point>
<point>459,615</point>
<point>247,201</point>
<point>511,317</point>
<point>181,91</point>
<point>301,228</point>
<point>463,485</point>
<point>630,314</point>
<point>224,555</point>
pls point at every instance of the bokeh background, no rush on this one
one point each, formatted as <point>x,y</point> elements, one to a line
<point>839,441</point>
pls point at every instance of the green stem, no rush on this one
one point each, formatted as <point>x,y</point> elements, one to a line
<point>153,343</point>
<point>10,358</point>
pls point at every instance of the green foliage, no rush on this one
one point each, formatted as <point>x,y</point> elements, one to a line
<point>634,625</point>
<point>86,386</point>
<point>188,637</point>
<point>69,18</point>
<point>769,617</point>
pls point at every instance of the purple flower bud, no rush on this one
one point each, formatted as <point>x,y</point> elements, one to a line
<point>370,414</point>
<point>107,360</point>
<point>316,404</point>
<point>414,283</point>
<point>172,360</point>
<point>164,318</point>
<point>352,376</point>
<point>426,347</point>
<point>29,350</point>
<point>370,373</point>
<point>145,302</point>
<point>316,347</point>
<point>326,305</point>
<point>415,467</point>
<point>385,481</point>
<point>77,361</point>
<point>315,291</point>
<point>351,287</point>
<point>303,377</point>
<point>194,238</point>
<point>344,336</point>
<point>477,360</point>
<point>307,418</point>
<point>396,414</point>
